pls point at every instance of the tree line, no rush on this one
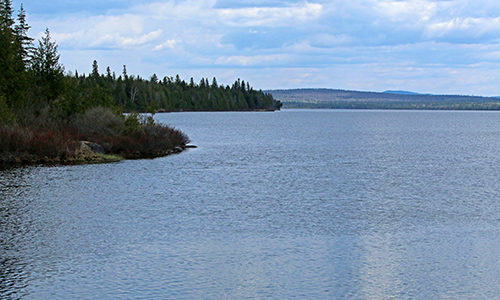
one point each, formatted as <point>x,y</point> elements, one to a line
<point>133,93</point>
<point>33,83</point>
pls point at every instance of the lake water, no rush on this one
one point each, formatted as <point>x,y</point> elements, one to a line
<point>293,204</point>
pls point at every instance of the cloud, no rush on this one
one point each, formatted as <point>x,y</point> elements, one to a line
<point>465,29</point>
<point>257,60</point>
<point>341,43</point>
<point>406,11</point>
<point>270,16</point>
<point>140,39</point>
<point>168,44</point>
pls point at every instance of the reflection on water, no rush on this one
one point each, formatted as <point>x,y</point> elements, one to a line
<point>308,204</point>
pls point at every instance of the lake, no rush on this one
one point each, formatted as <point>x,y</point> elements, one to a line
<point>310,204</point>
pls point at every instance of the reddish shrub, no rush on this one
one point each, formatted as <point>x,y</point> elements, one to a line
<point>37,143</point>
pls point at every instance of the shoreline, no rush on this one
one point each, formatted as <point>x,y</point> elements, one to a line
<point>193,110</point>
<point>10,160</point>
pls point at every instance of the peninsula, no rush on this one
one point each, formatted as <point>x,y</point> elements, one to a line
<point>52,117</point>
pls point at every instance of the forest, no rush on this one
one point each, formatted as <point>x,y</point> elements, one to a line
<point>45,112</point>
<point>345,99</point>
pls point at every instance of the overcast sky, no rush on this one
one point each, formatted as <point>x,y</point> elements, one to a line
<point>424,46</point>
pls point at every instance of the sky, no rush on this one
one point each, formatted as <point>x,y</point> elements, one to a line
<point>440,47</point>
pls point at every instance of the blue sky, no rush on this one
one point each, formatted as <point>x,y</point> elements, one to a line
<point>444,46</point>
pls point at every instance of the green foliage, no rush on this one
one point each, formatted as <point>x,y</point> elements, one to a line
<point>21,32</point>
<point>6,12</point>
<point>136,94</point>
<point>132,122</point>
<point>47,71</point>
<point>6,115</point>
<point>99,121</point>
<point>13,80</point>
<point>133,136</point>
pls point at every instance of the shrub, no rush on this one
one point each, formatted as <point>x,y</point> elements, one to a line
<point>97,122</point>
<point>135,136</point>
<point>38,144</point>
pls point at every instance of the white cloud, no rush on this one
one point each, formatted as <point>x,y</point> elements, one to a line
<point>168,44</point>
<point>141,39</point>
<point>406,11</point>
<point>270,16</point>
<point>239,60</point>
<point>474,27</point>
<point>364,44</point>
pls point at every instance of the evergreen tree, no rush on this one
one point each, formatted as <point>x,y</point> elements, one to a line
<point>47,70</point>
<point>6,115</point>
<point>124,72</point>
<point>109,76</point>
<point>95,70</point>
<point>6,11</point>
<point>154,79</point>
<point>21,32</point>
<point>12,68</point>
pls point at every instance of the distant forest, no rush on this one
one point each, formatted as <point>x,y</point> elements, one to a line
<point>344,99</point>
<point>133,93</point>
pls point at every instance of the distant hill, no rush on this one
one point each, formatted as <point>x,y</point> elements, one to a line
<point>336,98</point>
<point>401,92</point>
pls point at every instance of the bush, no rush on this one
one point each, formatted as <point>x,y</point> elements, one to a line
<point>40,144</point>
<point>133,136</point>
<point>145,139</point>
<point>98,122</point>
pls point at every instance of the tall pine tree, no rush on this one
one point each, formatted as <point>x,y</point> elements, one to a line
<point>21,32</point>
<point>47,71</point>
<point>12,69</point>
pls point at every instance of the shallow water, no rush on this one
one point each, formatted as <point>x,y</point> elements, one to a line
<point>298,203</point>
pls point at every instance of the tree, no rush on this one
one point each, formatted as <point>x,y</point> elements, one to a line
<point>47,70</point>
<point>21,33</point>
<point>154,79</point>
<point>124,72</point>
<point>6,115</point>
<point>13,80</point>
<point>109,76</point>
<point>6,11</point>
<point>95,70</point>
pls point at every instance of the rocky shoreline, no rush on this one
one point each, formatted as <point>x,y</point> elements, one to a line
<point>86,153</point>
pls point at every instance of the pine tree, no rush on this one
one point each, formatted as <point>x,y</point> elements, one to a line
<point>154,79</point>
<point>12,69</point>
<point>6,11</point>
<point>95,70</point>
<point>125,76</point>
<point>47,70</point>
<point>21,32</point>
<point>109,76</point>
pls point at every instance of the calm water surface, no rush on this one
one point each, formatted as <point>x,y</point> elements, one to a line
<point>305,204</point>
